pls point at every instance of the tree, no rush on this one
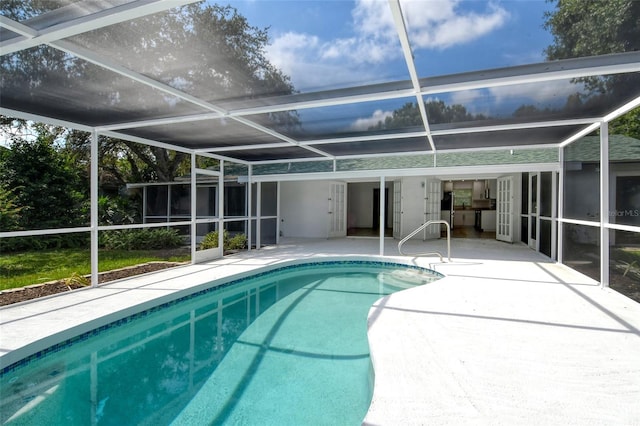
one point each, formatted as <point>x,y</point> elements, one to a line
<point>209,51</point>
<point>627,124</point>
<point>47,187</point>
<point>438,112</point>
<point>597,27</point>
<point>9,210</point>
<point>592,27</point>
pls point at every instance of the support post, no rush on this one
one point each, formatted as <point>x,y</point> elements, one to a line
<point>278,212</point>
<point>382,215</point>
<point>221,209</point>
<point>560,231</point>
<point>249,210</point>
<point>194,204</point>
<point>258,214</point>
<point>604,204</point>
<point>94,208</point>
<point>554,214</point>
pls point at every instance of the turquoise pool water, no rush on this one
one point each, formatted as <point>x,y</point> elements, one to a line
<point>287,347</point>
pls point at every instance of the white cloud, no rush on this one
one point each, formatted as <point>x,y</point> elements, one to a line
<point>365,123</point>
<point>466,97</point>
<point>309,59</point>
<point>286,50</point>
<point>440,24</point>
<point>557,91</point>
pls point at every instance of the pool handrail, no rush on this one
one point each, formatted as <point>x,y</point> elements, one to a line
<point>420,228</point>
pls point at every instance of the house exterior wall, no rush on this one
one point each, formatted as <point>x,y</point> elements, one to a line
<point>304,209</point>
<point>412,205</point>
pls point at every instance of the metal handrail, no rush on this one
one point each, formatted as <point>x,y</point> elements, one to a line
<point>420,228</point>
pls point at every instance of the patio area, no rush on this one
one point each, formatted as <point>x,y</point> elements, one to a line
<point>507,337</point>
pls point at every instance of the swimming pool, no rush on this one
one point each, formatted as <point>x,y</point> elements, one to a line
<point>287,346</point>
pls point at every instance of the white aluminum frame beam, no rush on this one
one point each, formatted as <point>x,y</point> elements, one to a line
<point>126,12</point>
<point>398,19</point>
<point>533,73</point>
<point>91,57</point>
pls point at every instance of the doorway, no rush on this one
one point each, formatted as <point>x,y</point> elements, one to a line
<point>538,212</point>
<point>363,209</point>
<point>376,207</point>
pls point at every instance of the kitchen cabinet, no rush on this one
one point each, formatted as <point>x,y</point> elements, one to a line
<point>464,218</point>
<point>488,220</point>
<point>493,188</point>
<point>478,190</point>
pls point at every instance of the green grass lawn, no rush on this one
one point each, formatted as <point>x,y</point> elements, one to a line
<point>22,269</point>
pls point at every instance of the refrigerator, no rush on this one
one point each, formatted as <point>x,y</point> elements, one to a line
<point>447,205</point>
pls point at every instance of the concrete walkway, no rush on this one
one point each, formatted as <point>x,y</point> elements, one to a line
<point>508,337</point>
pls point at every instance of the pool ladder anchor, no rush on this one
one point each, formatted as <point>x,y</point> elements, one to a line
<point>420,228</point>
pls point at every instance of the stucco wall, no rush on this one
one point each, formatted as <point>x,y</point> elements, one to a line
<point>304,209</point>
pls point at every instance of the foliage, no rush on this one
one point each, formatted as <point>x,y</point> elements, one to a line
<point>592,27</point>
<point>627,124</point>
<point>26,268</point>
<point>116,210</point>
<point>595,27</point>
<point>139,239</point>
<point>438,112</point>
<point>77,279</point>
<point>50,190</point>
<point>58,241</point>
<point>206,49</point>
<point>237,242</point>
<point>9,210</point>
<point>598,27</point>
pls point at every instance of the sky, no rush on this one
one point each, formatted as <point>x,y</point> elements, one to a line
<point>331,44</point>
<point>336,43</point>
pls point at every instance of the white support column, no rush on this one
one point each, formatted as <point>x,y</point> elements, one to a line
<point>560,232</point>
<point>221,209</point>
<point>258,213</point>
<point>382,215</point>
<point>278,213</point>
<point>538,210</point>
<point>249,194</point>
<point>604,204</point>
<point>94,209</point>
<point>554,222</point>
<point>194,204</point>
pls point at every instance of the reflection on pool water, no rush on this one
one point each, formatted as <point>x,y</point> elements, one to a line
<point>287,347</point>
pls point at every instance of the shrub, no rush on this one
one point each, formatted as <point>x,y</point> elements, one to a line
<point>44,242</point>
<point>116,211</point>
<point>141,239</point>
<point>210,241</point>
<point>237,242</point>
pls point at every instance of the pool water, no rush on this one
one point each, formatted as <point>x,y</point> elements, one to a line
<point>288,347</point>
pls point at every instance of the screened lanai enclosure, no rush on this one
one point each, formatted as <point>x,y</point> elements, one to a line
<point>297,132</point>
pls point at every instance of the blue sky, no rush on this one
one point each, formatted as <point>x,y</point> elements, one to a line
<point>327,44</point>
<point>337,43</point>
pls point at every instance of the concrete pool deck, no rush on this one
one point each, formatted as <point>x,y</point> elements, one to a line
<point>507,337</point>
